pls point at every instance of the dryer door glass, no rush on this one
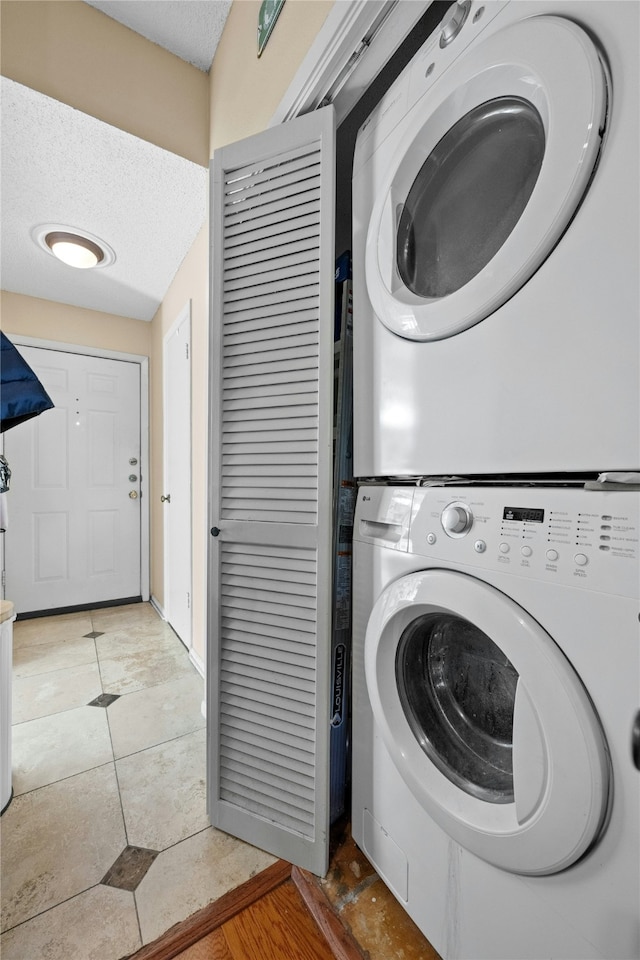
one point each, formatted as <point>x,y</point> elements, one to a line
<point>469,195</point>
<point>457,690</point>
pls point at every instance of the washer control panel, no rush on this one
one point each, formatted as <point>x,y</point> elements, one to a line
<point>586,538</point>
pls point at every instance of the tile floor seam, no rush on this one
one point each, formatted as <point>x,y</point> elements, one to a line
<point>49,673</point>
<point>53,906</point>
<point>69,776</point>
<point>151,746</point>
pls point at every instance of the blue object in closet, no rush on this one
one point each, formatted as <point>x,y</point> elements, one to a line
<point>22,396</point>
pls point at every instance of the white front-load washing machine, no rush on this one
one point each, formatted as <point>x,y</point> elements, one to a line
<point>495,247</point>
<point>496,680</point>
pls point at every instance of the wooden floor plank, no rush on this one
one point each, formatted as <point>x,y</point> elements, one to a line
<point>276,927</point>
<point>212,947</point>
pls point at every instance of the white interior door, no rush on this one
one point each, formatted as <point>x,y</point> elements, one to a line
<point>73,537</point>
<point>270,488</point>
<point>177,476</point>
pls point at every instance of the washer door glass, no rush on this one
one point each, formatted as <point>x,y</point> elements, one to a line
<point>457,689</point>
<point>469,195</point>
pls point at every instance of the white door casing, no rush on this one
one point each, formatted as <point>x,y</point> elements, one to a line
<point>74,537</point>
<point>177,475</point>
<point>270,488</point>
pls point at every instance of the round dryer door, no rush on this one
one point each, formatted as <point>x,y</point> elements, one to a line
<point>487,722</point>
<point>479,192</point>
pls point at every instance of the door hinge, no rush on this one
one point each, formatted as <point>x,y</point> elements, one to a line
<point>4,578</point>
<point>186,350</point>
<point>188,601</point>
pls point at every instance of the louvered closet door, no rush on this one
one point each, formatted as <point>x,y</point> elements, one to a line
<point>270,487</point>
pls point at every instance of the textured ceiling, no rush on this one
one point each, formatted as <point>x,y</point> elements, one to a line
<point>61,166</point>
<point>189,28</point>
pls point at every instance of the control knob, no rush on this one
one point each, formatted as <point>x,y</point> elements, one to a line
<point>456,519</point>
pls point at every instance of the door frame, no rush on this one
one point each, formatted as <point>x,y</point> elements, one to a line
<point>183,316</point>
<point>143,361</point>
<point>354,43</point>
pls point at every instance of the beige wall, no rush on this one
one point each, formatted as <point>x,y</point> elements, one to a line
<point>245,89</point>
<point>74,53</point>
<point>46,320</point>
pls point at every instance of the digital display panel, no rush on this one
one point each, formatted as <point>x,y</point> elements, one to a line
<point>526,514</point>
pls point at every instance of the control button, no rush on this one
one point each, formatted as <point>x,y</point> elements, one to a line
<point>605,526</point>
<point>552,555</point>
<point>456,519</point>
<point>431,538</point>
<point>456,16</point>
<point>479,546</point>
<point>581,559</point>
<point>605,516</point>
<point>504,548</point>
<point>604,547</point>
<point>605,536</point>
<point>526,551</point>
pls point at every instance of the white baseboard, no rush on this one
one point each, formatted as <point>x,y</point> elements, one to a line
<point>197,661</point>
<point>156,606</point>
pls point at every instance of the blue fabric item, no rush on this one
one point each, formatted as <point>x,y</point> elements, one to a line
<point>22,396</point>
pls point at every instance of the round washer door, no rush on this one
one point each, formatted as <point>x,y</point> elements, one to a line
<point>479,193</point>
<point>487,722</point>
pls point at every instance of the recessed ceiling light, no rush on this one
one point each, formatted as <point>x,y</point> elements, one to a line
<point>75,248</point>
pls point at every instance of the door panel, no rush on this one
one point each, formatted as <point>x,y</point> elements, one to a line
<point>271,479</point>
<point>74,532</point>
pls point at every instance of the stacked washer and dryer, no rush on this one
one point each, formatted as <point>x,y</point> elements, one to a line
<point>496,670</point>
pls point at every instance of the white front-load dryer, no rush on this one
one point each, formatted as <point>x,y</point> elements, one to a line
<point>496,680</point>
<point>495,248</point>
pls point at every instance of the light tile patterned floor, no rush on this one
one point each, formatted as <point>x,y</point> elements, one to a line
<point>92,782</point>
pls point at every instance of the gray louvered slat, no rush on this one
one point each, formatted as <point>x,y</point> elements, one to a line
<point>285,312</point>
<point>293,173</point>
<point>292,217</point>
<point>259,741</point>
<point>277,815</point>
<point>279,289</point>
<point>300,370</point>
<point>255,204</point>
<point>294,581</point>
<point>288,297</point>
<point>273,773</point>
<point>292,257</point>
<point>306,461</point>
<point>245,645</point>
<point>270,477</point>
<point>287,664</point>
<point>240,175</point>
<point>262,716</point>
<point>268,234</point>
<point>283,327</point>
<point>271,401</point>
<point>286,621</point>
<point>243,276</point>
<point>293,241</point>
<point>271,552</point>
<point>301,795</point>
<point>294,349</point>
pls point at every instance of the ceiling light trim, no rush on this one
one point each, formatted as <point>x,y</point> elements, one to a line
<point>44,231</point>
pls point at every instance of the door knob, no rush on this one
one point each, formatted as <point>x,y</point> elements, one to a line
<point>166,499</point>
<point>133,494</point>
